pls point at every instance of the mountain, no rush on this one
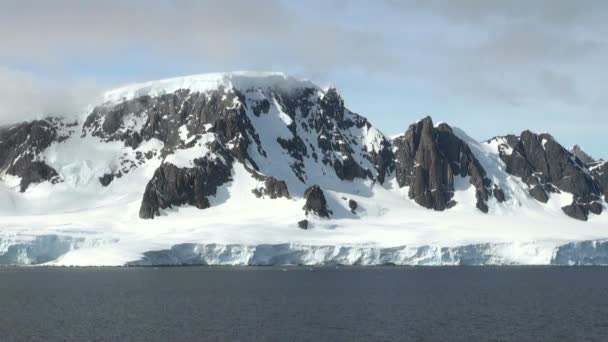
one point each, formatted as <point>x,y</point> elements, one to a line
<point>263,168</point>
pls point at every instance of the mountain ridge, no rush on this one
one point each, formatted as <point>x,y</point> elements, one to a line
<point>271,148</point>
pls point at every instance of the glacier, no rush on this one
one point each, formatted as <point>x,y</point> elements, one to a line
<point>534,253</point>
<point>41,249</point>
<point>49,250</point>
<point>296,254</point>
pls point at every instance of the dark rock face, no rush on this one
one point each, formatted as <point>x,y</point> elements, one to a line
<point>332,125</point>
<point>273,188</point>
<point>427,160</point>
<point>260,107</point>
<point>172,186</point>
<point>595,207</point>
<point>33,172</point>
<point>600,175</point>
<point>145,117</point>
<point>22,144</point>
<point>539,194</point>
<point>106,179</point>
<point>499,194</point>
<point>577,211</point>
<point>546,166</point>
<point>352,205</point>
<point>315,202</point>
<point>383,160</point>
<point>303,224</point>
<point>337,131</point>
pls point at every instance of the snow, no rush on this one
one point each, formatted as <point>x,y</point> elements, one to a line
<point>283,116</point>
<point>183,134</point>
<point>544,142</point>
<point>242,80</point>
<point>185,157</point>
<point>132,122</point>
<point>499,144</point>
<point>372,139</point>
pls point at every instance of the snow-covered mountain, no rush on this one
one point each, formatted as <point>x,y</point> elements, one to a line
<point>263,168</point>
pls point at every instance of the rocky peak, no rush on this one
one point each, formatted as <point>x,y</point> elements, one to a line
<point>546,166</point>
<point>427,160</point>
<point>332,104</point>
<point>581,154</point>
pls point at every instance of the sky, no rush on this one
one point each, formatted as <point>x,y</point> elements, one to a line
<point>489,67</point>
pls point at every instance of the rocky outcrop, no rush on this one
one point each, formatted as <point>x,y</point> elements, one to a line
<point>499,194</point>
<point>316,202</point>
<point>173,186</point>
<point>106,179</point>
<point>539,194</point>
<point>428,158</point>
<point>273,188</point>
<point>303,224</point>
<point>578,152</point>
<point>383,159</point>
<point>21,146</point>
<point>581,208</point>
<point>352,205</point>
<point>547,167</point>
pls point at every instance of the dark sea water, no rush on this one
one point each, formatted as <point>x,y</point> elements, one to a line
<point>303,304</point>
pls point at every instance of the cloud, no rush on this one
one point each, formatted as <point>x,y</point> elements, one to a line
<point>61,36</point>
<point>221,32</point>
<point>549,12</point>
<point>515,53</point>
<point>559,86</point>
<point>24,97</point>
